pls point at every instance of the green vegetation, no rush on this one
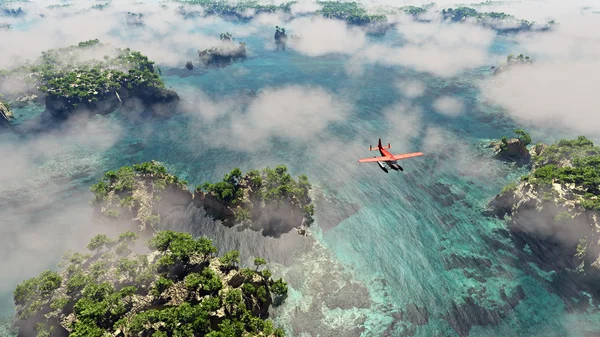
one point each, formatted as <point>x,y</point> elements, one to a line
<point>271,187</point>
<point>352,12</point>
<point>75,78</point>
<point>178,291</point>
<point>489,19</point>
<point>135,190</point>
<point>523,136</point>
<point>574,162</point>
<point>520,59</point>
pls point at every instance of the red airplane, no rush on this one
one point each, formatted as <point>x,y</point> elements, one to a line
<point>390,159</point>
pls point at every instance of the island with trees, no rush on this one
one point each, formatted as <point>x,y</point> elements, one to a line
<point>280,38</point>
<point>512,61</point>
<point>69,80</point>
<point>554,213</point>
<point>514,149</point>
<point>224,54</point>
<point>134,19</point>
<point>174,286</point>
<point>6,114</point>
<point>373,20</point>
<point>270,200</point>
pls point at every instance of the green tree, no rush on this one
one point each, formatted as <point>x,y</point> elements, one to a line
<point>523,136</point>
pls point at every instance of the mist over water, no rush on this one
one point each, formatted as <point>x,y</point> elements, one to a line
<point>406,260</point>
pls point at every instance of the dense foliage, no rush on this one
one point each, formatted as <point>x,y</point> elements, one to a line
<point>136,187</point>
<point>75,75</point>
<point>180,290</point>
<point>570,162</point>
<point>353,13</point>
<point>269,186</point>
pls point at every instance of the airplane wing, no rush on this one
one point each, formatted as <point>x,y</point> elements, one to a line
<point>394,157</point>
<point>372,160</point>
<point>407,155</point>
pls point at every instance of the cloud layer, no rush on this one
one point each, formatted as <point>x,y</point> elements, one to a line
<point>558,90</point>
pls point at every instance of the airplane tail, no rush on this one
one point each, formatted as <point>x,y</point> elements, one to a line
<point>389,146</point>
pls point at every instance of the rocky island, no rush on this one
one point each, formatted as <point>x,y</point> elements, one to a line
<point>177,287</point>
<point>6,114</point>
<point>372,20</point>
<point>224,54</point>
<point>512,61</point>
<point>270,201</point>
<point>280,38</point>
<point>514,149</point>
<point>554,213</point>
<point>70,80</point>
<point>134,19</point>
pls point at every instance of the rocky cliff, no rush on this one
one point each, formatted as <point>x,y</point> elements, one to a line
<point>514,149</point>
<point>5,114</point>
<point>180,289</point>
<point>224,54</point>
<point>73,79</point>
<point>270,201</point>
<point>512,61</point>
<point>554,210</point>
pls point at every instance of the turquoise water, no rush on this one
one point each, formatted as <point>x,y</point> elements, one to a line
<point>418,239</point>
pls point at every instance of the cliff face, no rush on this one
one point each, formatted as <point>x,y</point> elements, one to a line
<point>73,79</point>
<point>269,201</point>
<point>5,114</point>
<point>179,289</point>
<point>512,149</point>
<point>140,194</point>
<point>224,54</point>
<point>554,209</point>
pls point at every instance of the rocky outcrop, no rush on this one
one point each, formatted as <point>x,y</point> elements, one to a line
<point>512,61</point>
<point>141,194</point>
<point>280,38</point>
<point>6,115</point>
<point>513,149</point>
<point>180,288</point>
<point>255,200</point>
<point>224,54</point>
<point>69,82</point>
<point>554,212</point>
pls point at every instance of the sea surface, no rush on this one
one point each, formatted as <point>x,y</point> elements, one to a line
<point>415,256</point>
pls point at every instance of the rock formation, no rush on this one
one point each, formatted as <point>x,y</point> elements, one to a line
<point>554,211</point>
<point>514,149</point>
<point>280,38</point>
<point>5,114</point>
<point>269,201</point>
<point>512,61</point>
<point>70,81</point>
<point>224,54</point>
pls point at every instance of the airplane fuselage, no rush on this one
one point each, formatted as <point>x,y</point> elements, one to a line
<point>393,164</point>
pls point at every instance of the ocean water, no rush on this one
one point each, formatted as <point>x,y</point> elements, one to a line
<point>416,258</point>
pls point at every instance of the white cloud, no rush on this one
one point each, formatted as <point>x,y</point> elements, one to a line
<point>411,88</point>
<point>448,106</point>
<point>437,48</point>
<point>293,112</point>
<point>325,36</point>
<point>559,89</point>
